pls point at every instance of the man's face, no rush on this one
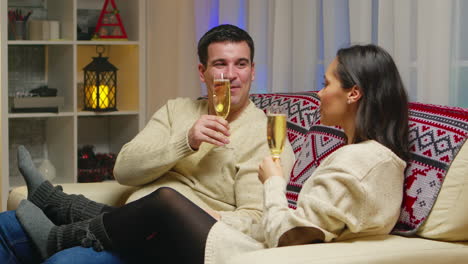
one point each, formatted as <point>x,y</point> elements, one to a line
<point>232,59</point>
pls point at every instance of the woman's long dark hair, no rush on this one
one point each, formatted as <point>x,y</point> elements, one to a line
<point>383,109</point>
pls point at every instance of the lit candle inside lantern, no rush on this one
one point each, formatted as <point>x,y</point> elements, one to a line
<point>103,96</point>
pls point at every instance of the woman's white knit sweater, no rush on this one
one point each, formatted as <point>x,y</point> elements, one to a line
<point>356,191</point>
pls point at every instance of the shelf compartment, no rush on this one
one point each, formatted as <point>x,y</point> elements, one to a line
<point>58,10</point>
<point>54,134</point>
<point>128,11</point>
<point>125,58</point>
<point>31,66</point>
<point>106,133</point>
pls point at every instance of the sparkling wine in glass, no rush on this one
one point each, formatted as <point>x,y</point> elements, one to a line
<point>221,95</point>
<point>276,130</point>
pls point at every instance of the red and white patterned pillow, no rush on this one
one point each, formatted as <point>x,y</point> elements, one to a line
<point>436,135</point>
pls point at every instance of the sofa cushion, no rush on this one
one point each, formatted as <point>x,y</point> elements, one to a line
<point>448,219</point>
<point>436,134</point>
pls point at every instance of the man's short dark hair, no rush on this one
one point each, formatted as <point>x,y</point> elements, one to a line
<point>223,33</point>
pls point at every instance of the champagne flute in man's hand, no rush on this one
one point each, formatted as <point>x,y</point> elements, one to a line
<point>221,95</point>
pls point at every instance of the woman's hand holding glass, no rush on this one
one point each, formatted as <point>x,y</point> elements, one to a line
<point>268,168</point>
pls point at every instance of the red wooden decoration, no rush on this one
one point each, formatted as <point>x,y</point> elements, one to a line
<point>109,25</point>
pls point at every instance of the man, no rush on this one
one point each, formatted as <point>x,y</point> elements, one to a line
<point>211,161</point>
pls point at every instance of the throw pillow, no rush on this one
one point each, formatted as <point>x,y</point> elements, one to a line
<point>448,219</point>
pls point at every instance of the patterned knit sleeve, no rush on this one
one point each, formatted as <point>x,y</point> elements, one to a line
<point>154,150</point>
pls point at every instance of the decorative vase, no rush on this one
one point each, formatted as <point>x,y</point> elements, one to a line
<point>46,168</point>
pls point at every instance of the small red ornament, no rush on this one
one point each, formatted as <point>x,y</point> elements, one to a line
<point>109,25</point>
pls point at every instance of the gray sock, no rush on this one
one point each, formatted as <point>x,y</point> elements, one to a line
<point>30,174</point>
<point>60,207</point>
<point>63,208</point>
<point>49,238</point>
<point>36,224</point>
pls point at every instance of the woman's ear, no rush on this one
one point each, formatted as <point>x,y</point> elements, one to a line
<point>355,94</point>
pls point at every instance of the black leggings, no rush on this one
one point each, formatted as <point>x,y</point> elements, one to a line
<point>162,226</point>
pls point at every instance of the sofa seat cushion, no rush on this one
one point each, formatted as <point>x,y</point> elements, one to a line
<point>375,249</point>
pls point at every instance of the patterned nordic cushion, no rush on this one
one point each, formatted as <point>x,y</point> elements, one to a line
<point>436,135</point>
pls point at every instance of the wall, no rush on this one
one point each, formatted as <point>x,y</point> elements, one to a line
<point>171,50</point>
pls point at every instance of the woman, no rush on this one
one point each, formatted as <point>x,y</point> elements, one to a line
<point>356,191</point>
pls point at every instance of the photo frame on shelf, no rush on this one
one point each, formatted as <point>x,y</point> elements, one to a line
<point>86,23</point>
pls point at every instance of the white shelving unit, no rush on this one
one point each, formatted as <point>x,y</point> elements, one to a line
<point>65,132</point>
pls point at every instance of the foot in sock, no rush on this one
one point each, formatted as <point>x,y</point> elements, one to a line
<point>30,174</point>
<point>36,224</point>
<point>49,238</point>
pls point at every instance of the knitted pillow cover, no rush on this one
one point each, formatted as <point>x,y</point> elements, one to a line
<point>436,134</point>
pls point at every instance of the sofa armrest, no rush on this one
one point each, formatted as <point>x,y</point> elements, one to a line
<point>109,192</point>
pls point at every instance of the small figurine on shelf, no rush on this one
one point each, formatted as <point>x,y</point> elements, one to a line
<point>109,25</point>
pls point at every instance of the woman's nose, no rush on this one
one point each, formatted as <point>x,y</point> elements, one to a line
<point>320,93</point>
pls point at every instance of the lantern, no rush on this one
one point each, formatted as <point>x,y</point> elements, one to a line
<point>100,84</point>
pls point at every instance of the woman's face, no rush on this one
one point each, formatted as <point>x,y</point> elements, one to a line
<point>333,107</point>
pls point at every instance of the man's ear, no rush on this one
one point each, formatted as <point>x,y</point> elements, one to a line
<point>355,94</point>
<point>253,71</point>
<point>201,72</point>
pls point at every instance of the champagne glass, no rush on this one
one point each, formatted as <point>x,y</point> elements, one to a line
<point>276,130</point>
<point>221,95</point>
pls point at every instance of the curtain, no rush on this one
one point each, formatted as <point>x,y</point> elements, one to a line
<point>295,41</point>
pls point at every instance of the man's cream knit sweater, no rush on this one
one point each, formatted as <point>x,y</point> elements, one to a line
<point>356,191</point>
<point>222,179</point>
